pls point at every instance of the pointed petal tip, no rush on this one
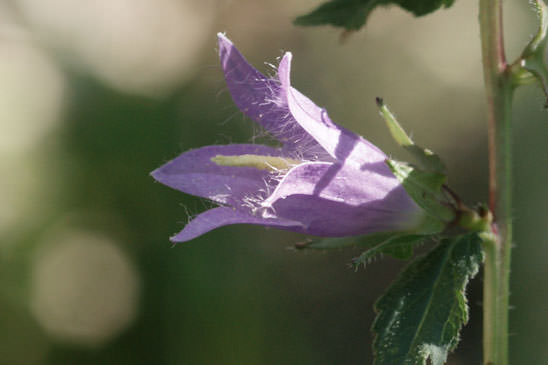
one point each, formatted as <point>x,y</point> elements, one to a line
<point>223,41</point>
<point>221,36</point>
<point>157,174</point>
<point>154,174</point>
<point>175,240</point>
<point>182,236</point>
<point>284,69</point>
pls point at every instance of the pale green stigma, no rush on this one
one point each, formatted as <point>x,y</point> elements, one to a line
<point>260,162</point>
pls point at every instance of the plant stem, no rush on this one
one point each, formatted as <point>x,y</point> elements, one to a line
<point>499,91</point>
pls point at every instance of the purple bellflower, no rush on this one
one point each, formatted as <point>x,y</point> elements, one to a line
<point>324,180</point>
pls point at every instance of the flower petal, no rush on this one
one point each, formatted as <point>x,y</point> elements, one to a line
<point>194,173</point>
<point>260,98</point>
<point>340,143</point>
<point>338,200</point>
<point>224,216</point>
<point>251,90</point>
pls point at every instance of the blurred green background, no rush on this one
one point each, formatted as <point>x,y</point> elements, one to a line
<point>96,94</point>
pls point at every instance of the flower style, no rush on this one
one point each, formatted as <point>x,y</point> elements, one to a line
<point>324,180</point>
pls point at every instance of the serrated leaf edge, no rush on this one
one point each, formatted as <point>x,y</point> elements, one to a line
<point>462,300</point>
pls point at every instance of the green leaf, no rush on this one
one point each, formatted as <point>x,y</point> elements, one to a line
<point>400,247</point>
<point>427,159</point>
<point>535,56</point>
<point>352,14</point>
<point>349,14</point>
<point>423,7</point>
<point>421,314</point>
<point>425,188</point>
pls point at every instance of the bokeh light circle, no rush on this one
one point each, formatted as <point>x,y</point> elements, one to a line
<point>84,289</point>
<point>32,93</point>
<point>137,46</point>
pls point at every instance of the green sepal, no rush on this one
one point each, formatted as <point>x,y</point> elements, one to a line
<point>397,246</point>
<point>426,159</point>
<point>534,58</point>
<point>426,189</point>
<point>421,314</point>
<point>333,243</point>
<point>352,14</point>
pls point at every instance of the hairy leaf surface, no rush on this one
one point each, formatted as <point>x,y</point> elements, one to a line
<point>400,247</point>
<point>421,314</point>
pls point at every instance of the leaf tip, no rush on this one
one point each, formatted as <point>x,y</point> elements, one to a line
<point>379,101</point>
